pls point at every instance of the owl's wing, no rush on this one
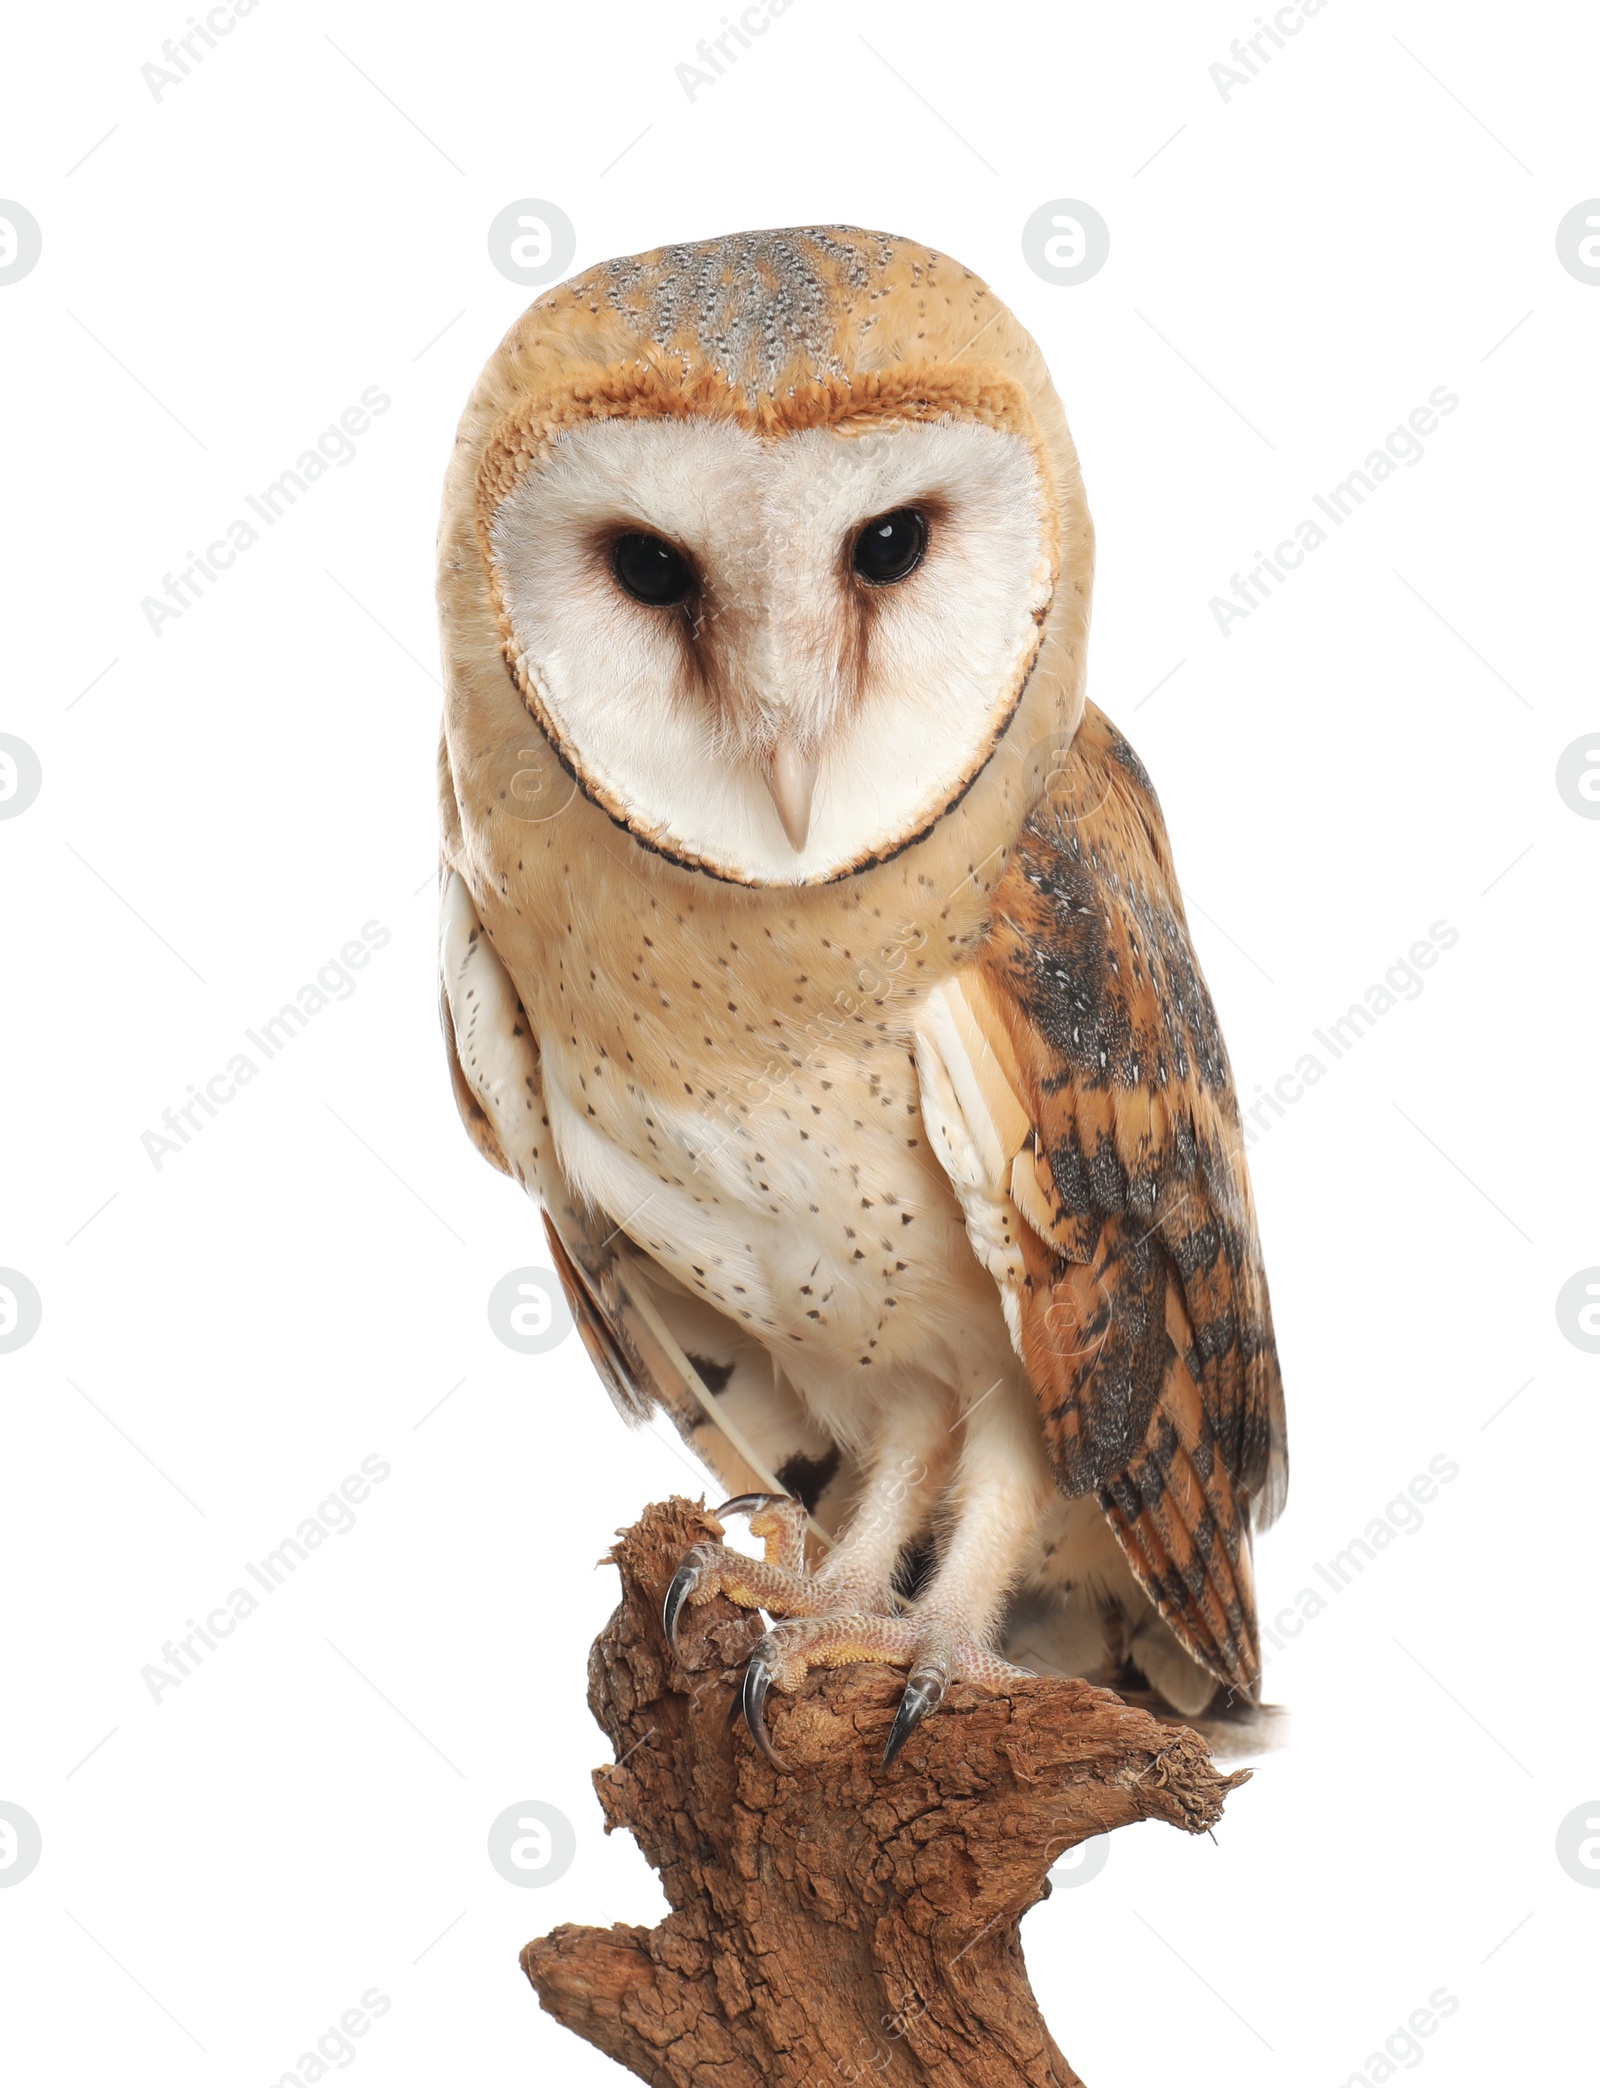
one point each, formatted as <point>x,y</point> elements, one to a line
<point>1076,1083</point>
<point>651,1342</point>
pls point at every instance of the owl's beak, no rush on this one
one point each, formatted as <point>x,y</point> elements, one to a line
<point>792,779</point>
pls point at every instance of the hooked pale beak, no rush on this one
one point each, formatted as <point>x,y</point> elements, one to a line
<point>792,778</point>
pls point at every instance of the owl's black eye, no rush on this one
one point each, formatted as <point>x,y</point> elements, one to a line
<point>651,569</point>
<point>890,546</point>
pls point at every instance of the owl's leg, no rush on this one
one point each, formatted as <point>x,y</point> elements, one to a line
<point>905,1474</point>
<point>858,1575</point>
<point>991,1508</point>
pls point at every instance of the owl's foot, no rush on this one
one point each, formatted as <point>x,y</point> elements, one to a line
<point>835,1619</point>
<point>935,1654</point>
<point>778,1583</point>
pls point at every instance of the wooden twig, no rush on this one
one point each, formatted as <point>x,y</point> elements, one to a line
<point>839,1921</point>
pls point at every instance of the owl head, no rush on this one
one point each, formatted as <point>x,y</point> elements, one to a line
<point>779,538</point>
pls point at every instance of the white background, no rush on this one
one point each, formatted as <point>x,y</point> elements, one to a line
<point>227,1337</point>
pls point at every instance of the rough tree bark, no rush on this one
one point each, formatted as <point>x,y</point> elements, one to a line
<point>839,1921</point>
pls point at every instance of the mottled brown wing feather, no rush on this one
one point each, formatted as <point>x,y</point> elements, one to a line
<point>1145,1322</point>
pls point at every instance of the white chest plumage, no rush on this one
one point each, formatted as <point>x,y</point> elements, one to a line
<point>815,1211</point>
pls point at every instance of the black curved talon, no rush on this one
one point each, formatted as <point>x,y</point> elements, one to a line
<point>682,1581</point>
<point>924,1692</point>
<point>747,1504</point>
<point>752,1698</point>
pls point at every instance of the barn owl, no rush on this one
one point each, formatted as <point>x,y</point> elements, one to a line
<point>811,950</point>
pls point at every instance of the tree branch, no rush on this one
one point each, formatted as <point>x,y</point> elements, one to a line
<point>839,1921</point>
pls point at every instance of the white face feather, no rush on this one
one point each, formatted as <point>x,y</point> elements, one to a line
<point>673,717</point>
